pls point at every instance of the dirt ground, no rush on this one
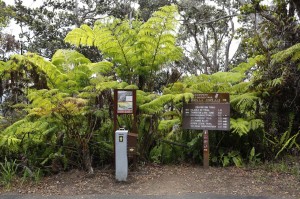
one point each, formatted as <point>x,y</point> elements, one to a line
<point>168,180</point>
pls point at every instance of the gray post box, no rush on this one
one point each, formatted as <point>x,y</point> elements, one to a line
<point>121,155</point>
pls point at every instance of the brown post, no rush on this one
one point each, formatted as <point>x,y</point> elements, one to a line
<point>115,121</point>
<point>205,149</point>
<point>132,136</point>
<point>135,128</point>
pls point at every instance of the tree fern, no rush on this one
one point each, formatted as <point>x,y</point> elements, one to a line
<point>156,33</point>
<point>135,49</point>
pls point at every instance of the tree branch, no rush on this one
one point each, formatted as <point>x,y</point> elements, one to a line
<point>216,20</point>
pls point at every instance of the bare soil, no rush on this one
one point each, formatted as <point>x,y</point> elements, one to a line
<point>167,180</point>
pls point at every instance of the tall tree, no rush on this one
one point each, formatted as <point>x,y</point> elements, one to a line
<point>139,51</point>
<point>207,34</point>
<point>8,43</point>
<point>272,31</point>
<point>44,27</point>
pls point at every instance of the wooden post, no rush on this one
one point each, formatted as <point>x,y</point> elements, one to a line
<point>205,149</point>
<point>115,122</point>
<point>131,135</point>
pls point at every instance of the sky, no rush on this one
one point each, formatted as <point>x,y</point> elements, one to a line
<point>13,28</point>
<point>30,3</point>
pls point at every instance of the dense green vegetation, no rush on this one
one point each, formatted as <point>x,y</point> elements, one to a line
<point>57,113</point>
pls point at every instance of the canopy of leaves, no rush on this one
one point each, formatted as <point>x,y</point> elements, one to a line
<point>137,50</point>
<point>60,109</point>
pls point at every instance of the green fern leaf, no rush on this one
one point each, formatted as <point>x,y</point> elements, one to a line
<point>275,82</point>
<point>244,102</point>
<point>101,67</point>
<point>81,36</point>
<point>69,59</point>
<point>255,124</point>
<point>157,105</point>
<point>167,124</point>
<point>239,126</point>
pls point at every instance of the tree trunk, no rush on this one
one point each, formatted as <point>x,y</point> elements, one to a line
<point>226,64</point>
<point>87,159</point>
<point>297,6</point>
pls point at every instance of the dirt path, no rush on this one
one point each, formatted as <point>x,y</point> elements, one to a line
<point>169,180</point>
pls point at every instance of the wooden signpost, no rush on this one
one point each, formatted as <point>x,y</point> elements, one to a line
<point>207,111</point>
<point>125,103</point>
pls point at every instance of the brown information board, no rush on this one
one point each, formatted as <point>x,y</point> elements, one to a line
<point>207,111</point>
<point>125,101</point>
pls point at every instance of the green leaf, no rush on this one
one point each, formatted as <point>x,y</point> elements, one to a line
<point>287,143</point>
<point>101,67</point>
<point>237,161</point>
<point>239,126</point>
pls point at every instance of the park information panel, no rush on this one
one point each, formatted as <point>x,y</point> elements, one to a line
<point>207,111</point>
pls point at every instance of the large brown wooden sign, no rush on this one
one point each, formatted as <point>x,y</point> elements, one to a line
<point>206,116</point>
<point>207,111</point>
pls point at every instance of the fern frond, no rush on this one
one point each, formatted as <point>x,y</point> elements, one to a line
<point>101,67</point>
<point>229,77</point>
<point>167,124</point>
<point>246,101</point>
<point>156,105</point>
<point>69,58</point>
<point>203,87</point>
<point>292,53</point>
<point>255,124</point>
<point>157,37</point>
<point>184,97</point>
<point>142,97</point>
<point>2,67</point>
<point>9,142</point>
<point>246,66</point>
<point>275,82</point>
<point>171,114</point>
<point>107,85</point>
<point>239,126</point>
<point>132,87</point>
<point>289,141</point>
<point>240,88</point>
<point>55,76</point>
<point>81,36</point>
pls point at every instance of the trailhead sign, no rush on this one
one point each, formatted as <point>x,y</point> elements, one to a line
<point>207,111</point>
